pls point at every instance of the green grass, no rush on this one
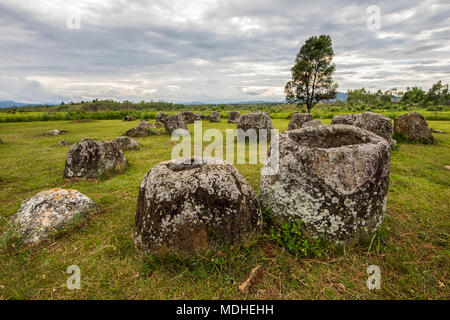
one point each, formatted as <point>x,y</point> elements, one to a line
<point>412,247</point>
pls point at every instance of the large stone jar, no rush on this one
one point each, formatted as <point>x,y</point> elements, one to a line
<point>333,178</point>
<point>194,204</point>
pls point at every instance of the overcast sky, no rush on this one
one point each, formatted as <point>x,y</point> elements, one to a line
<point>205,50</point>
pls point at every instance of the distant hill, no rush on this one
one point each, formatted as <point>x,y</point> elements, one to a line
<point>229,102</point>
<point>341,96</point>
<point>9,103</point>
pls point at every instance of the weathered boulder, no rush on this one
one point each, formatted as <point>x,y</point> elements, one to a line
<point>159,124</point>
<point>129,118</point>
<point>55,132</point>
<point>126,143</point>
<point>374,122</point>
<point>334,179</point>
<point>144,129</point>
<point>90,159</point>
<point>49,212</point>
<point>233,116</point>
<point>64,143</point>
<point>258,121</point>
<point>298,119</point>
<point>377,123</point>
<point>313,123</point>
<point>214,117</point>
<point>198,116</point>
<point>194,204</point>
<point>161,117</point>
<point>188,116</point>
<point>349,119</point>
<point>174,122</point>
<point>413,127</point>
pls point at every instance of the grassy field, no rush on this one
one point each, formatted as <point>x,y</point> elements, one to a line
<point>280,112</point>
<point>412,247</point>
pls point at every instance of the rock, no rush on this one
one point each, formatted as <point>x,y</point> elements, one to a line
<point>175,122</point>
<point>90,159</point>
<point>49,212</point>
<point>413,127</point>
<point>159,124</point>
<point>188,116</point>
<point>198,116</point>
<point>126,143</point>
<point>334,179</point>
<point>214,117</point>
<point>233,116</point>
<point>349,119</point>
<point>161,117</point>
<point>129,118</point>
<point>187,207</point>
<point>298,119</point>
<point>258,121</point>
<point>144,129</point>
<point>314,123</point>
<point>374,122</point>
<point>55,132</point>
<point>64,143</point>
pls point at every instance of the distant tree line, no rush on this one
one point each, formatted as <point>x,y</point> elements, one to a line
<point>437,95</point>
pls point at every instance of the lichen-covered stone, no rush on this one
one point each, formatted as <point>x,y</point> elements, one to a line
<point>188,116</point>
<point>198,116</point>
<point>349,119</point>
<point>413,127</point>
<point>298,119</point>
<point>174,122</point>
<point>161,117</point>
<point>187,206</point>
<point>64,143</point>
<point>258,121</point>
<point>313,123</point>
<point>90,159</point>
<point>374,122</point>
<point>144,129</point>
<point>214,117</point>
<point>126,143</point>
<point>233,116</point>
<point>333,178</point>
<point>55,132</point>
<point>49,212</point>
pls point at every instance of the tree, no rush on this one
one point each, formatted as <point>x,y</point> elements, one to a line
<point>438,94</point>
<point>413,96</point>
<point>312,73</point>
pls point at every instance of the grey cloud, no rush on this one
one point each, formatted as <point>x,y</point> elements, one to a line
<point>155,50</point>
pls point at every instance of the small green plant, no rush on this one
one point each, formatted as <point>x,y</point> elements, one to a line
<point>291,237</point>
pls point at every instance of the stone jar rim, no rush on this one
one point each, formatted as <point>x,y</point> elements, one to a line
<point>337,136</point>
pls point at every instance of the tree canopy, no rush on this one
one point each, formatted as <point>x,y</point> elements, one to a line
<point>312,74</point>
